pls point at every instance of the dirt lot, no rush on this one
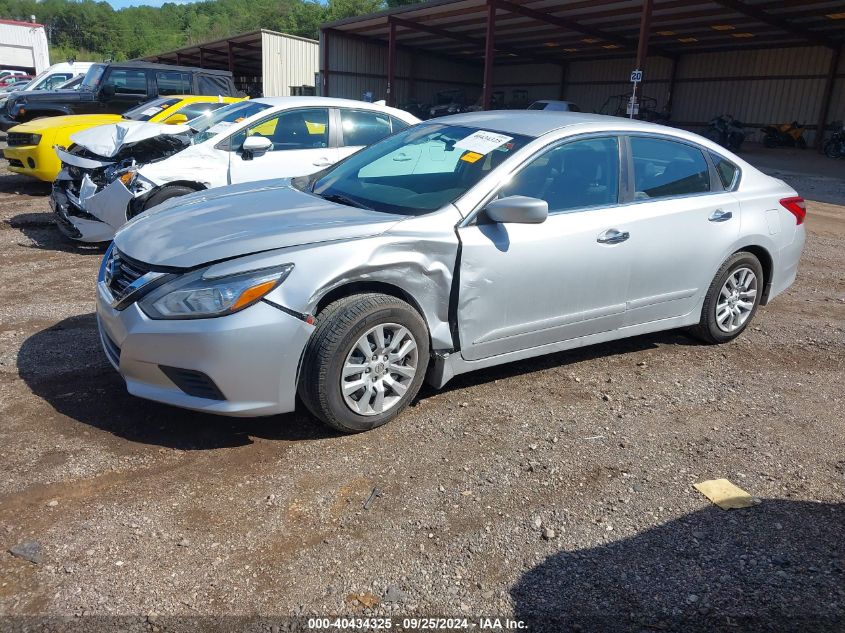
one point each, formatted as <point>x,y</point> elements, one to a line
<point>557,491</point>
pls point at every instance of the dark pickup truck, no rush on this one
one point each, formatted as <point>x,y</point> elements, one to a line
<point>114,88</point>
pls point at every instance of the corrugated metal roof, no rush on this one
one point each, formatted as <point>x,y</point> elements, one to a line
<point>568,30</point>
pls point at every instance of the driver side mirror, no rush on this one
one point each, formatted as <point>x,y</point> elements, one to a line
<point>176,119</point>
<point>255,146</point>
<point>107,91</point>
<point>518,210</point>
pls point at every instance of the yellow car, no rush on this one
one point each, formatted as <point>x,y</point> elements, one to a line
<point>30,145</point>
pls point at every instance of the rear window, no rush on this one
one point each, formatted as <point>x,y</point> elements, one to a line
<point>664,168</point>
<point>363,127</point>
<point>173,83</point>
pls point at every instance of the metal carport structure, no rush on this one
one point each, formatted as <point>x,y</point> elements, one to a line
<point>691,51</point>
<point>263,62</point>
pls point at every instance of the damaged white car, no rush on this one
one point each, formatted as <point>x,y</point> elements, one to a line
<point>112,173</point>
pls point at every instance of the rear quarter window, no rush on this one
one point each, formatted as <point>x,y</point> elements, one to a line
<point>728,172</point>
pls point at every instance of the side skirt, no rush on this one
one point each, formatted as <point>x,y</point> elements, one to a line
<point>448,365</point>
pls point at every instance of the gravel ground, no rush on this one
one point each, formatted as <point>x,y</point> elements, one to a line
<point>557,491</point>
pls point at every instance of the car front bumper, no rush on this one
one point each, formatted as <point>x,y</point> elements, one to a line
<point>243,364</point>
<point>86,220</point>
<point>34,161</point>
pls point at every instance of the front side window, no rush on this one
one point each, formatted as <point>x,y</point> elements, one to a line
<point>576,175</point>
<point>307,128</point>
<point>728,172</point>
<point>361,127</point>
<point>127,81</point>
<point>418,170</point>
<point>173,83</point>
<point>664,168</point>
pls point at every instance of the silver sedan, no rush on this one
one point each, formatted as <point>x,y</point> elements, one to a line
<point>458,244</point>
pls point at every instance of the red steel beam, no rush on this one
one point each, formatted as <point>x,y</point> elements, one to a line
<point>391,65</point>
<point>645,32</point>
<point>489,56</point>
<point>325,45</point>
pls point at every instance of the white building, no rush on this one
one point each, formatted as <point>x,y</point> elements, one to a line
<point>23,46</point>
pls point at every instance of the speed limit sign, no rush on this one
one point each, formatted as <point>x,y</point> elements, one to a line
<point>636,76</point>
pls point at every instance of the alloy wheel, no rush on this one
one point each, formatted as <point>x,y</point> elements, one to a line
<point>379,369</point>
<point>736,299</point>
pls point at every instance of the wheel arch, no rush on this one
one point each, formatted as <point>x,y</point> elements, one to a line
<point>361,287</point>
<point>766,261</point>
<point>137,204</point>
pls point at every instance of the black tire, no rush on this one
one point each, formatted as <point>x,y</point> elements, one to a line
<point>770,141</point>
<point>707,329</point>
<point>801,143</point>
<point>166,193</point>
<point>339,326</point>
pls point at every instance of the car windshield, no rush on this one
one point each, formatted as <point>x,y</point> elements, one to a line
<point>212,123</point>
<point>418,170</point>
<point>148,110</point>
<point>93,77</point>
<point>538,105</point>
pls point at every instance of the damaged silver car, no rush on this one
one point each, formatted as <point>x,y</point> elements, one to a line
<point>455,245</point>
<point>114,172</point>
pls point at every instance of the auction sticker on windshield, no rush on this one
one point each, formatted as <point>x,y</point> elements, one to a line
<point>482,142</point>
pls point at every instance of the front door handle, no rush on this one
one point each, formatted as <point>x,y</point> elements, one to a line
<point>613,236</point>
<point>322,162</point>
<point>720,216</point>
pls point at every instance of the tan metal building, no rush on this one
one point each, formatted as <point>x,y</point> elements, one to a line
<point>762,61</point>
<point>264,63</point>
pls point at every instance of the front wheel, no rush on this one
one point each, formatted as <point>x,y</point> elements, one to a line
<point>832,149</point>
<point>365,362</point>
<point>732,299</point>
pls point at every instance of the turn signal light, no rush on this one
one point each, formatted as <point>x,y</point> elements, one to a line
<point>251,294</point>
<point>796,207</point>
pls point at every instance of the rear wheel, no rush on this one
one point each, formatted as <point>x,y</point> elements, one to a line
<point>732,299</point>
<point>832,149</point>
<point>365,362</point>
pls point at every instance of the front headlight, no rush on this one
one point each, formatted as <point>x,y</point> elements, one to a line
<point>193,296</point>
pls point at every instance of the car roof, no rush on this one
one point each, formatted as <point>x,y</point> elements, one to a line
<point>540,122</point>
<point>288,102</point>
<point>154,66</point>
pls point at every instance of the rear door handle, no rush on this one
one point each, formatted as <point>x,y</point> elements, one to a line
<point>720,216</point>
<point>322,162</point>
<point>613,236</point>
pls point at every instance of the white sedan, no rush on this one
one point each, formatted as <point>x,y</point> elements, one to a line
<point>115,172</point>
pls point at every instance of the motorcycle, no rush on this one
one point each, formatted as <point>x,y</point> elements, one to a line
<point>835,145</point>
<point>726,131</point>
<point>784,135</point>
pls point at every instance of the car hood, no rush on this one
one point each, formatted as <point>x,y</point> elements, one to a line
<point>39,126</point>
<point>239,220</point>
<point>55,95</point>
<point>108,140</point>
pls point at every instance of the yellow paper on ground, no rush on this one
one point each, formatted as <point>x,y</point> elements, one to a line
<point>725,494</point>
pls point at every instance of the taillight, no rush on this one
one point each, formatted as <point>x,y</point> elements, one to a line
<point>796,207</point>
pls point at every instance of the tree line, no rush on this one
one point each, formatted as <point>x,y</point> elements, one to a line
<point>93,31</point>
